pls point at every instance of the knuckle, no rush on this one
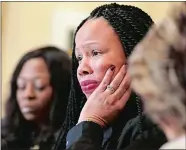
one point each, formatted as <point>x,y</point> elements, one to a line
<point>105,82</point>
<point>116,95</point>
<point>112,100</point>
<point>126,84</point>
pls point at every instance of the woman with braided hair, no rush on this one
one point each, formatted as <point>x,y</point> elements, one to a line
<point>102,112</point>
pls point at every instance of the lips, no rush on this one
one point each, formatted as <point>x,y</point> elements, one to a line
<point>88,86</point>
<point>27,110</point>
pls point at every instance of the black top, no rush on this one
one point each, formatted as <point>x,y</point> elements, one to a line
<point>31,141</point>
<point>90,136</point>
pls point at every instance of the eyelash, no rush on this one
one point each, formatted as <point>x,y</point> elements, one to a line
<point>79,58</point>
<point>95,51</point>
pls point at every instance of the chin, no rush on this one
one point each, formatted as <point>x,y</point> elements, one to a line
<point>87,95</point>
<point>29,117</point>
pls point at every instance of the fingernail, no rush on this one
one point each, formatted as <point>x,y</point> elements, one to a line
<point>112,67</point>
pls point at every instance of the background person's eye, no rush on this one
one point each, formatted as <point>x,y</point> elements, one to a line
<point>40,88</point>
<point>21,87</point>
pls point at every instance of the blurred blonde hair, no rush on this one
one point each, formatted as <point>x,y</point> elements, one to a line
<point>158,67</point>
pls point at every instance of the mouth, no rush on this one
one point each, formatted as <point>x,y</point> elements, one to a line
<point>88,86</point>
<point>27,110</point>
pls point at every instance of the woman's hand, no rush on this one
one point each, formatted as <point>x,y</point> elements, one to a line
<point>107,101</point>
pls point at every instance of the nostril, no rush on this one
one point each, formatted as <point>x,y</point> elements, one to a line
<point>31,97</point>
<point>85,72</point>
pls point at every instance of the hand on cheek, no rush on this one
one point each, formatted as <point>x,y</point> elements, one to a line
<point>108,100</point>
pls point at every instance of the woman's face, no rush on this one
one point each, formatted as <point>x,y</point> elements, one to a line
<point>33,90</point>
<point>97,48</point>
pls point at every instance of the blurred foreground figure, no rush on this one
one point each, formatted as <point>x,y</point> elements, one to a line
<point>158,70</point>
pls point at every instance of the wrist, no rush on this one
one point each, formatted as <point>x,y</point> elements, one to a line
<point>98,120</point>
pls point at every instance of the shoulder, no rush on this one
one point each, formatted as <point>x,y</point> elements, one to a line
<point>140,128</point>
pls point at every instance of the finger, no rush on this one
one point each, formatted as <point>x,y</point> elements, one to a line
<point>122,102</point>
<point>117,79</point>
<point>125,84</point>
<point>106,80</point>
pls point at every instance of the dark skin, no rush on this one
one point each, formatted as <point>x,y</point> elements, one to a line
<point>34,91</point>
<point>97,49</point>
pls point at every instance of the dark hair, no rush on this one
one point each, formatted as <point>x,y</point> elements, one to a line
<point>59,66</point>
<point>131,24</point>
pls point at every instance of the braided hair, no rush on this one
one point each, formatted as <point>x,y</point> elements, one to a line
<point>131,24</point>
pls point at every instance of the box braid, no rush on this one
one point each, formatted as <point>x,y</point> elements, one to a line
<point>131,24</point>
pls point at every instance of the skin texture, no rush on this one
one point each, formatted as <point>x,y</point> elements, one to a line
<point>97,48</point>
<point>34,90</point>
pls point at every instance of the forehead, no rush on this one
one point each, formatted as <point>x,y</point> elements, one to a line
<point>35,67</point>
<point>95,29</point>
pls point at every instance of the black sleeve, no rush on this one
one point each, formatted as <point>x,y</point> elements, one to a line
<point>150,143</point>
<point>85,136</point>
<point>132,138</point>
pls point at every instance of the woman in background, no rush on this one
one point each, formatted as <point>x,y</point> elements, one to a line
<point>37,103</point>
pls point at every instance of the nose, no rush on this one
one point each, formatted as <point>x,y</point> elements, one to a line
<point>84,67</point>
<point>29,92</point>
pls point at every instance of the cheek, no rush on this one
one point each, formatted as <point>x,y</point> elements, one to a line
<point>102,65</point>
<point>45,97</point>
<point>19,97</point>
